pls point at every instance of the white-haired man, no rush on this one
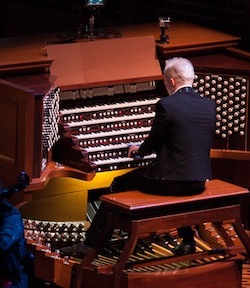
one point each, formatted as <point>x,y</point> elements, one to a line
<point>181,136</point>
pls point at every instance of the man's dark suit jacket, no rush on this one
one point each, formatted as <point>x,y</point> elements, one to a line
<point>182,136</point>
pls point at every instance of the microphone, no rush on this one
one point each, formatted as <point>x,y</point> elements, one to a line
<point>23,182</point>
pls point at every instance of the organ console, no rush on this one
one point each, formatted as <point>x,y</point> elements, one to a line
<point>80,124</point>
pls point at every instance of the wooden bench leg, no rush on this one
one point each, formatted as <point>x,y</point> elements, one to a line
<point>242,235</point>
<point>221,231</point>
<point>126,252</point>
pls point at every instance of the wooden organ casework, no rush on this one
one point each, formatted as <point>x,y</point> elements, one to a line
<point>31,104</point>
<point>70,131</point>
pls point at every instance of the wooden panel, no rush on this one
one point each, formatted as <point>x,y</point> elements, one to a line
<point>9,109</point>
<point>209,276</point>
<point>16,150</point>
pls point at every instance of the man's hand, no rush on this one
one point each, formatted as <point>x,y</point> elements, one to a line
<point>132,151</point>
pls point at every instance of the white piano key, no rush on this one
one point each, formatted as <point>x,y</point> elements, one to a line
<point>112,133</point>
<point>111,119</point>
<point>121,160</point>
<point>111,147</point>
<point>109,106</point>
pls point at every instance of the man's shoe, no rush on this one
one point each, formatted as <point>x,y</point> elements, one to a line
<point>78,250</point>
<point>184,248</point>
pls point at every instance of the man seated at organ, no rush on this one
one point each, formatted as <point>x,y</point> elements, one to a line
<point>181,136</point>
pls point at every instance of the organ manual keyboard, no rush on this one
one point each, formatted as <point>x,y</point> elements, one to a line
<point>103,128</point>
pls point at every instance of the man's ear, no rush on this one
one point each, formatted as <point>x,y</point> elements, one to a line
<point>173,81</point>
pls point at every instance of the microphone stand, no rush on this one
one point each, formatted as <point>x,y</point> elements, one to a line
<point>91,26</point>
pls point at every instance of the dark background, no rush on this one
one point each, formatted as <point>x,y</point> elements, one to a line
<point>28,17</point>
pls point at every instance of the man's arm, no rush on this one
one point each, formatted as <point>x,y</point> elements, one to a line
<point>156,137</point>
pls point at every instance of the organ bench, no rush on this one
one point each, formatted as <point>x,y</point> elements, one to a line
<point>144,214</point>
